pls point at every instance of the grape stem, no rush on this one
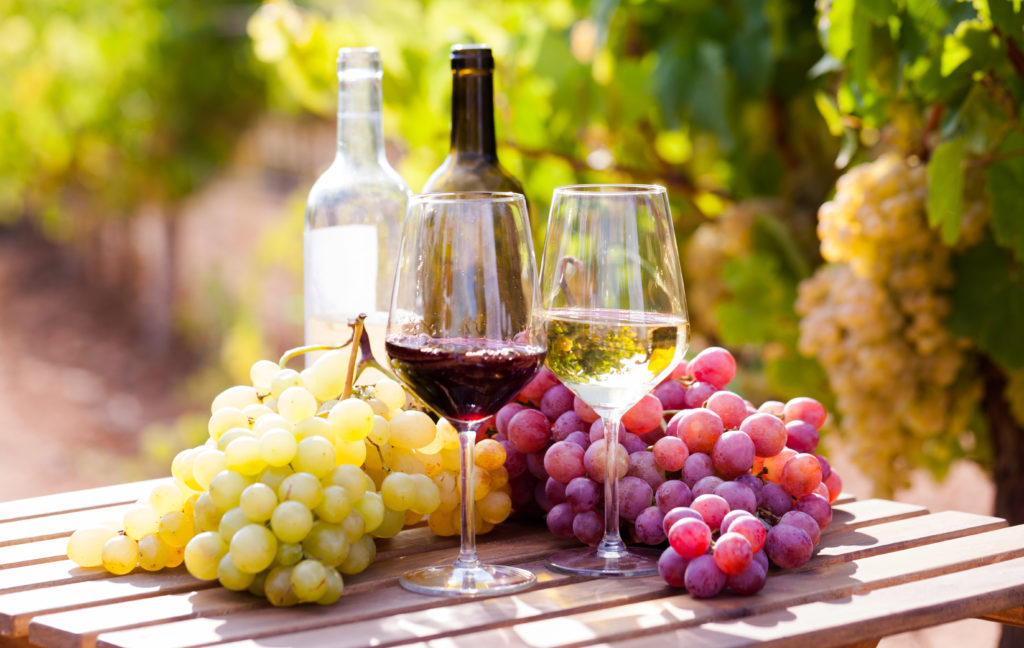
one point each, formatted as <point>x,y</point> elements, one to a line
<point>358,333</point>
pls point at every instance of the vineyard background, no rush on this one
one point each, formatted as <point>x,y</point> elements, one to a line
<point>157,154</point>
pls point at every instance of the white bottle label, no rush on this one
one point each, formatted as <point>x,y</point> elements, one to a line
<point>341,271</point>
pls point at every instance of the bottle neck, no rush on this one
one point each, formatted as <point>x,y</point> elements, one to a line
<point>360,132</point>
<point>473,114</point>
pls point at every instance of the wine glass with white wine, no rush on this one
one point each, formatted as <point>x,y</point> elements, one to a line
<point>613,305</point>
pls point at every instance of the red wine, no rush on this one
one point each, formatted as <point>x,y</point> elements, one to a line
<point>463,379</point>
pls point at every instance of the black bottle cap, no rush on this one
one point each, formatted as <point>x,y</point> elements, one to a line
<point>475,56</point>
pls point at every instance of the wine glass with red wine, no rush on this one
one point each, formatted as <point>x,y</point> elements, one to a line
<point>615,314</point>
<point>461,335</point>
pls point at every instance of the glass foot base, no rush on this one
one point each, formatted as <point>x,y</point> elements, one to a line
<point>483,580</point>
<point>640,561</point>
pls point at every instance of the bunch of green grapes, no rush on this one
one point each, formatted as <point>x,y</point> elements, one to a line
<point>276,501</point>
<point>875,320</point>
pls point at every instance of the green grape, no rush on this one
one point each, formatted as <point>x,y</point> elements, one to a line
<point>391,524</point>
<point>243,455</point>
<point>291,521</point>
<point>253,548</point>
<point>314,426</point>
<point>206,465</point>
<point>278,447</point>
<point>282,380</point>
<point>495,507</point>
<point>175,556</point>
<point>335,586</point>
<point>176,528</point>
<point>181,466</point>
<point>85,546</point>
<point>448,488</point>
<point>226,488</point>
<point>296,404</point>
<point>301,487</point>
<point>371,507</point>
<point>278,587</point>
<point>405,460</point>
<point>206,516</point>
<point>411,429</point>
<point>153,553</point>
<point>270,422</point>
<point>258,501</point>
<point>315,455</point>
<point>427,495</point>
<point>354,526</point>
<point>226,419</point>
<point>390,392</point>
<point>258,585</point>
<point>232,434</point>
<point>238,397</point>
<point>165,498</point>
<point>327,542</point>
<point>141,520</point>
<point>256,411</point>
<point>351,478</point>
<point>352,452</point>
<point>230,523</point>
<point>309,580</point>
<point>231,576</point>
<point>262,375</point>
<point>328,374</point>
<point>274,476</point>
<point>120,554</point>
<point>380,432</point>
<point>351,420</point>
<point>288,553</point>
<point>399,491</point>
<point>360,556</point>
<point>335,505</point>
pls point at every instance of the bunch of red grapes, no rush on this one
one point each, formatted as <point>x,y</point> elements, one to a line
<point>729,486</point>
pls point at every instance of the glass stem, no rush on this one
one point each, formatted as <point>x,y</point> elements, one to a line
<point>467,444</point>
<point>611,545</point>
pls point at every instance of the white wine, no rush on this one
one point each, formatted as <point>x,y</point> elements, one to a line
<point>326,331</point>
<point>611,358</point>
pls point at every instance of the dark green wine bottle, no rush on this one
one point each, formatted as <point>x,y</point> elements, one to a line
<point>472,163</point>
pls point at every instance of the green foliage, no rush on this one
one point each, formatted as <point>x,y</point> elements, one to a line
<point>946,188</point>
<point>1005,182</point>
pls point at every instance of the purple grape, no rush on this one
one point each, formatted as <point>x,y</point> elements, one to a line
<point>515,461</point>
<point>788,546</point>
<point>649,526</point>
<point>738,496</point>
<point>540,495</point>
<point>583,494</point>
<point>535,464</point>
<point>643,465</point>
<point>801,436</point>
<point>733,454</point>
<point>815,506</point>
<point>529,431</point>
<point>729,407</point>
<point>596,432</point>
<point>579,438</point>
<point>505,414</point>
<point>554,490</point>
<point>703,578</point>
<point>671,394</point>
<point>697,393</point>
<point>634,496</point>
<point>698,465</point>
<point>632,442</point>
<point>826,467</point>
<point>731,517</point>
<point>521,489</point>
<point>563,461</point>
<point>559,520</point>
<point>707,485</point>
<point>650,438</point>
<point>803,521</point>
<point>672,567</point>
<point>749,581</point>
<point>556,401</point>
<point>676,514</point>
<point>775,499</point>
<point>752,482</point>
<point>807,409</point>
<point>672,429</point>
<point>566,424</point>
<point>588,527</point>
<point>761,558</point>
<point>671,494</point>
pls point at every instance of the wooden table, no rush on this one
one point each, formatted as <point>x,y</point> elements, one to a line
<point>882,567</point>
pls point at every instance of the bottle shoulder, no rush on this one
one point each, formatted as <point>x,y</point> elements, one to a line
<point>347,194</point>
<point>471,174</point>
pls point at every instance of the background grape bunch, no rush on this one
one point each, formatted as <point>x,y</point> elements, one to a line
<point>729,486</point>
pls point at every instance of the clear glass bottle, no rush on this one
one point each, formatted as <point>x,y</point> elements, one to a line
<point>353,216</point>
<point>472,162</point>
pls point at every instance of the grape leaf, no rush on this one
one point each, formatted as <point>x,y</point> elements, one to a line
<point>946,188</point>
<point>988,302</point>
<point>1005,179</point>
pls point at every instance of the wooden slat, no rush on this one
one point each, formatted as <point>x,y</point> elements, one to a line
<point>1013,616</point>
<point>664,614</point>
<point>862,617</point>
<point>31,553</point>
<point>442,619</point>
<point>409,542</point>
<point>55,526</point>
<point>74,501</point>
<point>43,575</point>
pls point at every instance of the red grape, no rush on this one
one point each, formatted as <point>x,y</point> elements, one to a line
<point>703,577</point>
<point>556,401</point>
<point>643,465</point>
<point>635,495</point>
<point>788,546</point>
<point>593,461</point>
<point>690,538</point>
<point>540,495</point>
<point>583,494</point>
<point>529,431</point>
<point>706,485</point>
<point>584,411</point>
<point>696,467</point>
<point>563,461</point>
<point>775,499</point>
<point>504,415</point>
<point>680,371</point>
<point>534,389</point>
<point>805,522</point>
<point>737,495</point>
<point>670,452</point>
<point>671,394</point>
<point>700,428</point>
<point>676,514</point>
<point>815,506</point>
<point>732,553</point>
<point>644,416</point>
<point>767,432</point>
<point>801,436</point>
<point>632,443</point>
<point>749,581</point>
<point>733,454</point>
<point>773,465</point>
<point>801,475</point>
<point>566,424</point>
<point>752,529</point>
<point>673,493</point>
<point>554,490</point>
<point>729,407</point>
<point>672,567</point>
<point>535,464</point>
<point>515,461</point>
<point>773,407</point>
<point>713,365</point>
<point>579,438</point>
<point>806,409</point>
<point>835,486</point>
<point>712,508</point>
<point>648,526</point>
<point>731,517</point>
<point>753,483</point>
<point>588,527</point>
<point>559,520</point>
<point>697,393</point>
